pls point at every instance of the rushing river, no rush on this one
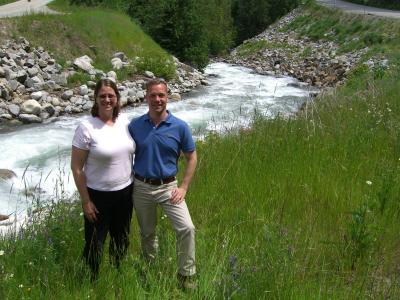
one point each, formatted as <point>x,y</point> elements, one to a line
<point>39,154</point>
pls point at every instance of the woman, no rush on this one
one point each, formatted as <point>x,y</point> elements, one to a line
<point>101,163</point>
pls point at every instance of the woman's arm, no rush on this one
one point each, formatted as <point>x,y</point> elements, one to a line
<point>78,160</point>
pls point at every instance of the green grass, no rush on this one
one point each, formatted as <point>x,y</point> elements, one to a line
<point>97,33</point>
<point>2,2</point>
<point>350,31</point>
<point>253,47</point>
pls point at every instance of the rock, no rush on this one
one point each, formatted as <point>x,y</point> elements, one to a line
<point>21,76</point>
<point>175,97</point>
<point>67,94</point>
<point>7,174</point>
<point>2,72</point>
<point>37,95</point>
<point>91,84</point>
<point>33,71</point>
<point>87,105</point>
<point>6,117</point>
<point>29,118</point>
<point>48,108</point>
<point>149,74</point>
<point>3,217</point>
<point>42,63</point>
<point>31,107</point>
<point>112,75</point>
<point>60,78</point>
<point>123,101</point>
<point>116,63</point>
<point>83,90</point>
<point>13,109</point>
<point>55,101</point>
<point>34,81</point>
<point>120,55</point>
<point>84,63</point>
<point>140,94</point>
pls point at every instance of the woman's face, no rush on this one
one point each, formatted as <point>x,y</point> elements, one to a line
<point>106,100</point>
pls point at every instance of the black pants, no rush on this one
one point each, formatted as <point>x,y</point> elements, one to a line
<point>115,213</point>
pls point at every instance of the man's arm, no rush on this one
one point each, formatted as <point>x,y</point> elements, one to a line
<point>178,194</point>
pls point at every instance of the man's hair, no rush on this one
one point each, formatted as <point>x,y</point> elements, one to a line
<point>156,81</point>
<point>101,83</point>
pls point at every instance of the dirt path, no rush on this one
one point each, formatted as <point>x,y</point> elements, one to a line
<point>360,9</point>
<point>24,7</point>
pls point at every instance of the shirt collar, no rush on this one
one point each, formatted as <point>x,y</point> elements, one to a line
<point>168,120</point>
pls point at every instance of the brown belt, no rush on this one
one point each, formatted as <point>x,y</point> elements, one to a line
<point>155,181</point>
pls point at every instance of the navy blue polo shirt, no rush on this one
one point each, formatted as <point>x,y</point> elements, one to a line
<point>158,148</point>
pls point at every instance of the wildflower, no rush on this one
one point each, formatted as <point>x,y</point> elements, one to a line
<point>21,286</point>
<point>163,217</point>
<point>1,252</point>
<point>81,214</point>
<point>368,182</point>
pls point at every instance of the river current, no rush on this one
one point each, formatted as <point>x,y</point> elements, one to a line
<point>39,154</point>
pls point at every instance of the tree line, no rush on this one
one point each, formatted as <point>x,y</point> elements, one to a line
<point>194,30</point>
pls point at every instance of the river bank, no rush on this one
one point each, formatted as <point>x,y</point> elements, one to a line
<point>281,50</point>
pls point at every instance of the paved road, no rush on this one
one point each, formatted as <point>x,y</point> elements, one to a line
<point>24,7</point>
<point>360,9</point>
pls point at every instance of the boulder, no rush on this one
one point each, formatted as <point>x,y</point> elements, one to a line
<point>3,217</point>
<point>175,97</point>
<point>112,75</point>
<point>84,63</point>
<point>83,90</point>
<point>7,174</point>
<point>37,95</point>
<point>31,107</point>
<point>13,109</point>
<point>116,63</point>
<point>29,118</point>
<point>67,94</point>
<point>149,74</point>
<point>120,55</point>
<point>48,108</point>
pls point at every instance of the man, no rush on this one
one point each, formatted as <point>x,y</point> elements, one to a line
<point>160,138</point>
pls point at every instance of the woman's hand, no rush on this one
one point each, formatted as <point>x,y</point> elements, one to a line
<point>90,211</point>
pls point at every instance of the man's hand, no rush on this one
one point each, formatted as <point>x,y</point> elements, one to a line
<point>178,195</point>
<point>90,211</point>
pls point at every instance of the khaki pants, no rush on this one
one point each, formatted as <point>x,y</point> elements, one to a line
<point>145,199</point>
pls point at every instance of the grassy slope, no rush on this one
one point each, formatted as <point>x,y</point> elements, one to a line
<point>305,208</point>
<point>2,2</point>
<point>95,32</point>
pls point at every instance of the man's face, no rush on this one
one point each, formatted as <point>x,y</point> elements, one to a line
<point>157,97</point>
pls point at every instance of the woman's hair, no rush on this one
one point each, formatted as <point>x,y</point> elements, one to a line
<point>99,85</point>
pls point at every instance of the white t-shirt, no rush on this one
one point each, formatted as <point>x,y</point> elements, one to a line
<point>109,163</point>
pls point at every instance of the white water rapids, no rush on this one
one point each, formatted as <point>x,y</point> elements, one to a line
<point>39,154</point>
